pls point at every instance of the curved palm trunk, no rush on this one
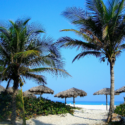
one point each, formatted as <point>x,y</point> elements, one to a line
<point>111,110</point>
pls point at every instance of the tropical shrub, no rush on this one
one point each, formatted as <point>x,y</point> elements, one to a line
<point>33,107</point>
<point>5,106</point>
<point>120,110</point>
<point>41,106</point>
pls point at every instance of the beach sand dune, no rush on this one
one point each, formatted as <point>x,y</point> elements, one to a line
<point>87,115</point>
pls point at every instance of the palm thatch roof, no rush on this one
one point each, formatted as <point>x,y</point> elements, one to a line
<point>29,94</point>
<point>1,88</point>
<point>40,90</point>
<point>120,90</point>
<point>73,92</point>
<point>10,90</point>
<point>104,91</point>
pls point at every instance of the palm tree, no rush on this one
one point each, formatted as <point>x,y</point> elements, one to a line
<point>102,26</point>
<point>23,53</point>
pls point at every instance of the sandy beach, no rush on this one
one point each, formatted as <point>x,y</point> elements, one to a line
<point>87,115</point>
<point>97,107</point>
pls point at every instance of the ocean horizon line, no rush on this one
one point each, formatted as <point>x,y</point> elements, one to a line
<point>90,102</point>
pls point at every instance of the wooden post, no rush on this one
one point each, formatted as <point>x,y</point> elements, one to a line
<point>65,100</point>
<point>106,103</point>
<point>41,95</point>
<point>74,101</point>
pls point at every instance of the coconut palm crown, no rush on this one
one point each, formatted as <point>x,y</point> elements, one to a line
<point>102,26</point>
<point>23,53</point>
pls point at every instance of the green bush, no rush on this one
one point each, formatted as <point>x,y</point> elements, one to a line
<point>5,106</point>
<point>33,107</point>
<point>37,106</point>
<point>120,110</point>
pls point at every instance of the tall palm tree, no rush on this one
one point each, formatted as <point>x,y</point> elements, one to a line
<point>23,53</point>
<point>102,26</point>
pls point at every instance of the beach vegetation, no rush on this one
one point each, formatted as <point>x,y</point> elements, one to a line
<point>24,54</point>
<point>120,109</point>
<point>102,27</point>
<point>33,107</point>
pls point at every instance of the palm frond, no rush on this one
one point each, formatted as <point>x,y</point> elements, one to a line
<point>95,39</point>
<point>105,32</point>
<point>39,31</point>
<point>1,68</point>
<point>5,32</point>
<point>37,78</point>
<point>122,46</point>
<point>51,70</point>
<point>86,37</point>
<point>69,42</point>
<point>23,69</point>
<point>26,21</point>
<point>48,60</point>
<point>74,13</point>
<point>119,11</point>
<point>3,51</point>
<point>1,62</point>
<point>26,54</point>
<point>82,54</point>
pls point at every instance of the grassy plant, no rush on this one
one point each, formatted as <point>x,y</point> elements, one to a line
<point>33,107</point>
<point>120,110</point>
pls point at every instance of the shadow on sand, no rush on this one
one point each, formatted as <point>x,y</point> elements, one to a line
<point>91,119</point>
<point>34,121</point>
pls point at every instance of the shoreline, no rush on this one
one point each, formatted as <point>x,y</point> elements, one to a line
<point>93,107</point>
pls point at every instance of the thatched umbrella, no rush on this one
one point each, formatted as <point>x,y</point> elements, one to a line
<point>73,92</point>
<point>29,94</point>
<point>120,90</point>
<point>1,88</point>
<point>40,90</point>
<point>104,91</point>
<point>10,90</point>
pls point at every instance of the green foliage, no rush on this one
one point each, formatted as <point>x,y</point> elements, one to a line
<point>100,25</point>
<point>33,107</point>
<point>41,106</point>
<point>120,110</point>
<point>22,49</point>
<point>19,102</point>
<point>5,106</point>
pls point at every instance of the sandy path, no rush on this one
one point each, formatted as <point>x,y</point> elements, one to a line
<point>85,116</point>
<point>80,117</point>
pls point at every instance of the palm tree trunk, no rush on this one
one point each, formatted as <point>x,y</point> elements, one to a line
<point>13,116</point>
<point>111,110</point>
<point>15,87</point>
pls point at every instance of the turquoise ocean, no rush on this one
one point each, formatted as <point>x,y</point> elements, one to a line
<point>91,102</point>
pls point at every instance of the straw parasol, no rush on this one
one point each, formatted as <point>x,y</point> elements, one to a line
<point>73,92</point>
<point>10,90</point>
<point>29,94</point>
<point>104,91</point>
<point>120,90</point>
<point>40,90</point>
<point>1,88</point>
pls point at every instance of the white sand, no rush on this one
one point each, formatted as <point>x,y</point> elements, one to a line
<point>97,107</point>
<point>88,115</point>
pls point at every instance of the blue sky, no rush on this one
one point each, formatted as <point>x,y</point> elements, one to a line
<point>87,73</point>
